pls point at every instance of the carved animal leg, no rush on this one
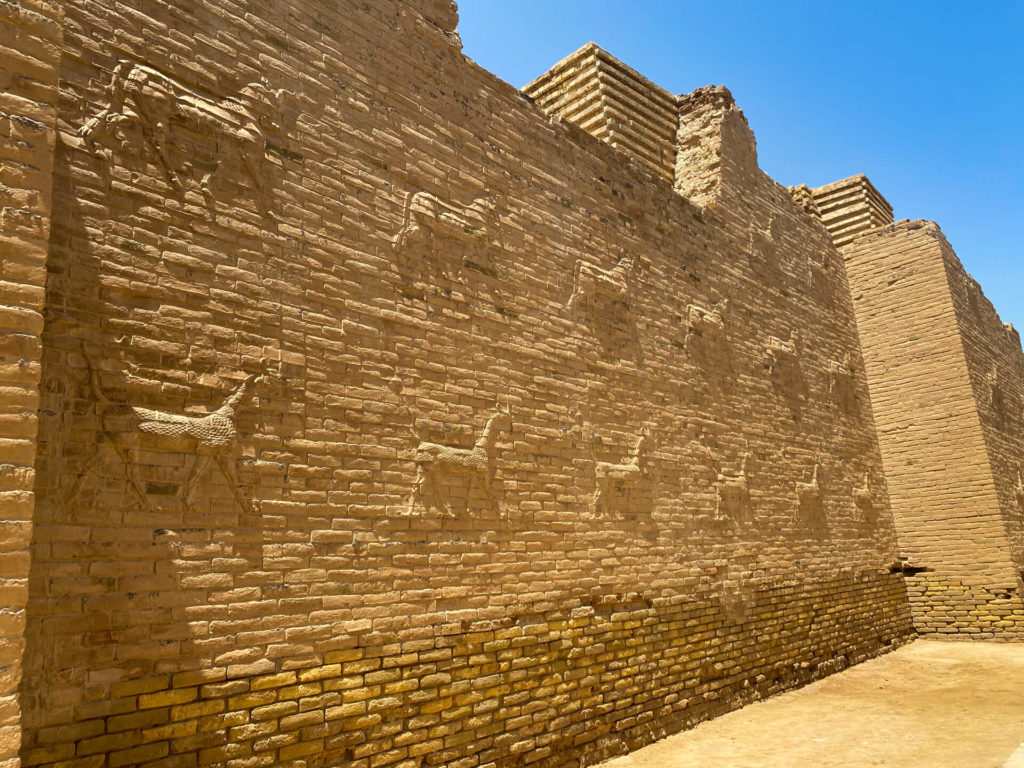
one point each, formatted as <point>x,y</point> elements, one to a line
<point>227,466</point>
<point>129,469</point>
<point>79,481</point>
<point>251,155</point>
<point>597,499</point>
<point>198,465</point>
<point>487,481</point>
<point>417,489</point>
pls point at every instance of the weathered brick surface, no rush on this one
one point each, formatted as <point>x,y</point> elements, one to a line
<point>30,45</point>
<point>946,385</point>
<point>540,463</point>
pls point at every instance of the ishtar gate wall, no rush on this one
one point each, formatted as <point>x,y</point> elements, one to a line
<point>390,419</point>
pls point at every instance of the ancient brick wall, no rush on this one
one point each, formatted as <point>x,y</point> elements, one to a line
<point>388,420</point>
<point>29,58</point>
<point>945,378</point>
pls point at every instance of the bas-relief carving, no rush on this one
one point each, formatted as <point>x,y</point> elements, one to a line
<point>762,240</point>
<point>784,360</point>
<point>434,460</point>
<point>810,497</point>
<point>842,383</point>
<point>864,497</point>
<point>705,326</point>
<point>425,216</point>
<point>733,493</point>
<point>996,399</point>
<point>592,283</point>
<point>619,480</point>
<point>138,93</point>
<point>1018,490</point>
<point>210,437</point>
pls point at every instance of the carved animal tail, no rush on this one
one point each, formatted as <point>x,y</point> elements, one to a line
<point>235,398</point>
<point>399,239</point>
<point>94,378</point>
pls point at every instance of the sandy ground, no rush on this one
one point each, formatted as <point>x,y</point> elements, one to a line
<point>928,705</point>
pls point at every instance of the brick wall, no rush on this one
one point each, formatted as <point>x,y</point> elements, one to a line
<point>29,62</point>
<point>945,378</point>
<point>389,421</point>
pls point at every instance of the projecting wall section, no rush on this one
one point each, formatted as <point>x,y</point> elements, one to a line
<point>30,44</point>
<point>945,379</point>
<point>388,421</point>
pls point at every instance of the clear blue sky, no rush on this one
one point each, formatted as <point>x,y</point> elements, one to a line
<point>926,98</point>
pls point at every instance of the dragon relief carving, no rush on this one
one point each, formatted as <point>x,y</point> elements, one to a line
<point>842,382</point>
<point>211,437</point>
<point>809,495</point>
<point>142,94</point>
<point>733,492</point>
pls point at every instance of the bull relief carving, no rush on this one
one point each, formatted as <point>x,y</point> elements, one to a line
<point>619,481</point>
<point>425,217</point>
<point>592,283</point>
<point>864,497</point>
<point>733,493</point>
<point>842,383</point>
<point>762,240</point>
<point>211,437</point>
<point>434,460</point>
<point>138,93</point>
<point>809,495</point>
<point>705,326</point>
<point>996,399</point>
<point>784,361</point>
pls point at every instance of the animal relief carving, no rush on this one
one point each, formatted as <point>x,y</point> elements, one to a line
<point>434,460</point>
<point>842,383</point>
<point>733,493</point>
<point>425,216</point>
<point>592,283</point>
<point>762,240</point>
<point>141,94</point>
<point>705,325</point>
<point>809,495</point>
<point>619,480</point>
<point>784,361</point>
<point>1018,491</point>
<point>863,497</point>
<point>211,437</point>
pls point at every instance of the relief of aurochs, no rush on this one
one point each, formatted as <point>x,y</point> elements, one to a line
<point>620,480</point>
<point>784,361</point>
<point>591,282</point>
<point>733,493</point>
<point>434,460</point>
<point>138,93</point>
<point>810,498</point>
<point>863,497</point>
<point>842,382</point>
<point>704,325</point>
<point>425,215</point>
<point>130,428</point>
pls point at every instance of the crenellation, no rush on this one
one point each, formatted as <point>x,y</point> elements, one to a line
<point>360,411</point>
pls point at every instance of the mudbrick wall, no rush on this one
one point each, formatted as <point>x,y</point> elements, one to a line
<point>947,385</point>
<point>30,45</point>
<point>388,420</point>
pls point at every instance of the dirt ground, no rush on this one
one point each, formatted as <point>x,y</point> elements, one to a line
<point>928,705</point>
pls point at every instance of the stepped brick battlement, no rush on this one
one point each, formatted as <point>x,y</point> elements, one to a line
<point>361,411</point>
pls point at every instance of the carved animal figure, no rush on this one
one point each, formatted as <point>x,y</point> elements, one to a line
<point>862,495</point>
<point>761,239</point>
<point>784,357</point>
<point>809,494</point>
<point>427,215</point>
<point>842,381</point>
<point>591,281</point>
<point>1019,490</point>
<point>733,492</point>
<point>476,463</point>
<point>139,92</point>
<point>130,428</point>
<point>702,321</point>
<point>619,478</point>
